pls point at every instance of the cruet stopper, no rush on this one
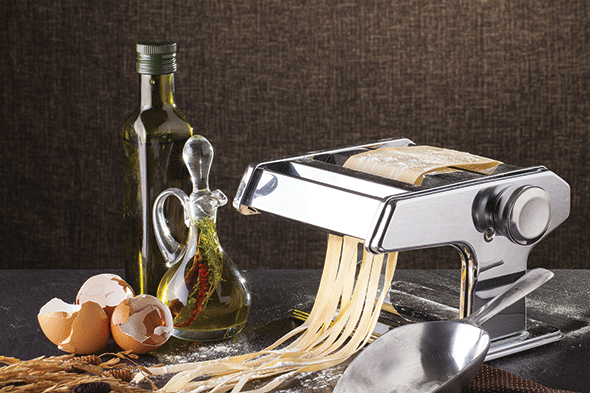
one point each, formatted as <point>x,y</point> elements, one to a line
<point>198,157</point>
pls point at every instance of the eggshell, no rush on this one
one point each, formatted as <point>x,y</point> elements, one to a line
<point>141,324</point>
<point>106,289</point>
<point>55,319</point>
<point>79,329</point>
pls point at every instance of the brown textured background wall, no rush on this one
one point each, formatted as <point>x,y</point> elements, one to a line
<point>268,78</point>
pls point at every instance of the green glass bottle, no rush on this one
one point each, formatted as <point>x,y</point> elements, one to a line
<point>153,138</point>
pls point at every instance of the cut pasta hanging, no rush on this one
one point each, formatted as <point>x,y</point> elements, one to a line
<point>320,342</point>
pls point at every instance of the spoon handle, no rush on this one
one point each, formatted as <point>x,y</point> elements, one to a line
<point>516,291</point>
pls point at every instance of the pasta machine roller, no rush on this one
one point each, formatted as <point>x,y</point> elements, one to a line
<point>493,220</point>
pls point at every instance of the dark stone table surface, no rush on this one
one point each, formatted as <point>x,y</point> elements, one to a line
<point>562,302</point>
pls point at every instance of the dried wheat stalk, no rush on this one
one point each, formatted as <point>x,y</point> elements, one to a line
<point>54,374</point>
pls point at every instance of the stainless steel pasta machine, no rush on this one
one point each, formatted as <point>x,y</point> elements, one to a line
<point>493,220</point>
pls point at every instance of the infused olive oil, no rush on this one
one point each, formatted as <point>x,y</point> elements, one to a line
<point>208,296</point>
<point>217,300</point>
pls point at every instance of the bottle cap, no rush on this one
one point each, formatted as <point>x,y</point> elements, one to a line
<point>156,57</point>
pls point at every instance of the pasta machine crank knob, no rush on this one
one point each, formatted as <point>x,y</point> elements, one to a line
<point>522,213</point>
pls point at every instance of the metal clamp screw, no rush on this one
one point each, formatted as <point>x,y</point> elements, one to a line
<point>489,234</point>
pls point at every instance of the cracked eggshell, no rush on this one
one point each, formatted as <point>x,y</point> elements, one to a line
<point>141,324</point>
<point>106,289</point>
<point>79,329</point>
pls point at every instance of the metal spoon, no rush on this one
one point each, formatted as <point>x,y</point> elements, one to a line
<point>439,356</point>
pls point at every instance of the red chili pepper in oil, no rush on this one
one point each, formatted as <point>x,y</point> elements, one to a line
<point>199,271</point>
<point>201,277</point>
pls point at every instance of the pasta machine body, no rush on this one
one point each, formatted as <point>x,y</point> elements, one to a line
<point>494,220</point>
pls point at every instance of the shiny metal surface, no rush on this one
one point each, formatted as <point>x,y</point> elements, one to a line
<point>493,220</point>
<point>416,220</point>
<point>438,356</point>
<point>250,192</point>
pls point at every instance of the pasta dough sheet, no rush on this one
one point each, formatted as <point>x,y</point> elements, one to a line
<point>410,164</point>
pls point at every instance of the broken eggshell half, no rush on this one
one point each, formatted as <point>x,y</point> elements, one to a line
<point>79,329</point>
<point>141,324</point>
<point>106,289</point>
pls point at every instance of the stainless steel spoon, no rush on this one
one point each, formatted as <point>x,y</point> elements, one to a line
<point>439,356</point>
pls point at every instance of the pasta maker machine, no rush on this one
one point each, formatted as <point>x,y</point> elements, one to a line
<point>493,220</point>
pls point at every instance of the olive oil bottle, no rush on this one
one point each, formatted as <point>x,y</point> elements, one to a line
<point>153,138</point>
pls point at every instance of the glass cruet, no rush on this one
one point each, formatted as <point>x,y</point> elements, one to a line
<point>207,294</point>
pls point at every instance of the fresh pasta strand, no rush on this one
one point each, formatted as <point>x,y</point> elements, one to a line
<point>321,344</point>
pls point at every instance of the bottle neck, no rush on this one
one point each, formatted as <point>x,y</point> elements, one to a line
<point>156,91</point>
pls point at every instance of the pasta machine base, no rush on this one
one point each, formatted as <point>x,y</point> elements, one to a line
<point>418,303</point>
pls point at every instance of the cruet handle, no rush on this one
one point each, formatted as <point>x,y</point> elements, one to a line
<point>170,248</point>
